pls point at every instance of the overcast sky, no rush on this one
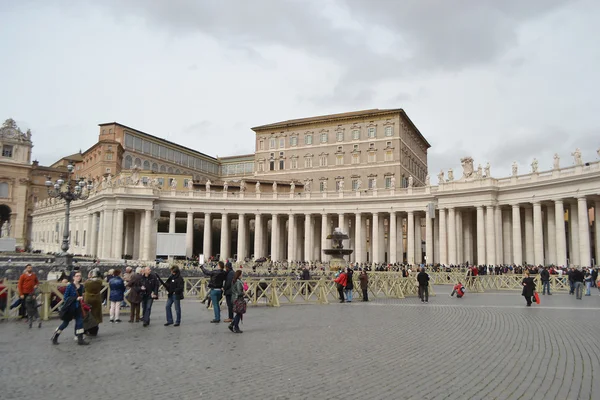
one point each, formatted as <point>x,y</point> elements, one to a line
<point>497,80</point>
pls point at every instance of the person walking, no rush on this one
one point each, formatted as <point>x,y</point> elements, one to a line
<point>423,280</point>
<point>578,278</point>
<point>237,293</point>
<point>528,288</point>
<point>340,282</point>
<point>28,282</point>
<point>349,285</point>
<point>588,284</point>
<point>93,297</point>
<point>134,297</point>
<point>545,278</point>
<point>148,292</point>
<point>71,309</point>
<point>175,288</point>
<point>227,291</point>
<point>217,279</point>
<point>117,295</point>
<point>364,284</point>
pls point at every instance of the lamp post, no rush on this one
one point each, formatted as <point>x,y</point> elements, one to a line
<point>67,189</point>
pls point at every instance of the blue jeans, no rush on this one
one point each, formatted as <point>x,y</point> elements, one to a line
<point>348,294</point>
<point>571,287</point>
<point>173,299</point>
<point>588,287</point>
<point>146,308</point>
<point>215,296</point>
<point>236,321</point>
<point>545,287</point>
<point>78,324</point>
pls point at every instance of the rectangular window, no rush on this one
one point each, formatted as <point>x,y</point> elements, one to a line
<point>281,164</point>
<point>7,151</point>
<point>388,182</point>
<point>339,159</point>
<point>388,144</point>
<point>371,183</point>
<point>272,143</point>
<point>323,138</point>
<point>355,147</point>
<point>155,149</point>
<point>137,143</point>
<point>261,167</point>
<point>371,132</point>
<point>389,156</point>
<point>354,184</point>
<point>161,182</point>
<point>294,163</point>
<point>272,165</point>
<point>389,131</point>
<point>170,155</point>
<point>355,134</point>
<point>321,186</point>
<point>145,180</point>
<point>322,161</point>
<point>128,141</point>
<point>355,159</point>
<point>170,182</point>
<point>294,141</point>
<point>184,159</point>
<point>281,143</point>
<point>109,156</point>
<point>108,170</point>
<point>146,146</point>
<point>177,157</point>
<point>308,139</point>
<point>308,162</point>
<point>163,152</point>
<point>340,136</point>
<point>261,145</point>
<point>372,157</point>
<point>185,183</point>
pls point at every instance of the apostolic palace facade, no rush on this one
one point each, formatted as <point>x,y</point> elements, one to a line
<point>365,172</point>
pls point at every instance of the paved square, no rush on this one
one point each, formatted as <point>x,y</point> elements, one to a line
<point>484,346</point>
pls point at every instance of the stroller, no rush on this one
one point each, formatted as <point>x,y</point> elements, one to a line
<point>32,308</point>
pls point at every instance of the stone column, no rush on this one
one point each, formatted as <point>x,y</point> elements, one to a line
<point>418,240</point>
<point>561,238</point>
<point>118,239</point>
<point>100,245</point>
<point>291,237</point>
<point>224,245</point>
<point>207,245</point>
<point>574,225</point>
<point>363,238</point>
<point>172,216</point>
<point>451,236</point>
<point>480,236</point>
<point>584,233</point>
<point>242,245</point>
<point>148,235</point>
<point>94,236</point>
<point>107,233</point>
<point>88,241</point>
<point>459,238</point>
<point>443,237</point>
<point>551,237</point>
<point>393,238</point>
<point>490,236</point>
<point>529,245</point>
<point>498,225</point>
<point>410,232</point>
<point>189,235</point>
<point>517,241</point>
<point>258,236</point>
<point>507,237</point>
<point>428,238</point>
<point>307,237</point>
<point>597,229</point>
<point>358,242</point>
<point>381,235</point>
<point>275,237</point>
<point>129,234</point>
<point>538,231</point>
<point>324,233</point>
<point>468,236</point>
<point>137,236</point>
<point>375,237</point>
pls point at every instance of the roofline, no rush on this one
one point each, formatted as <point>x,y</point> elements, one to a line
<point>403,113</point>
<point>158,138</point>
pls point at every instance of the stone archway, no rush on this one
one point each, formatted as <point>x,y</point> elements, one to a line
<point>5,227</point>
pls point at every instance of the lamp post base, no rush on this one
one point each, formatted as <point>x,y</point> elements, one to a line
<point>64,260</point>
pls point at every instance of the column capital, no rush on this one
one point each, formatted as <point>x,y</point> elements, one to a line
<point>581,197</point>
<point>560,201</point>
<point>480,207</point>
<point>190,213</point>
<point>515,206</point>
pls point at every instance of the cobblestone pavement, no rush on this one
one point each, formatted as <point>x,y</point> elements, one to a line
<point>484,346</point>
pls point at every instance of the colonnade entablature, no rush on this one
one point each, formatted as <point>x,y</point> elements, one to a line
<point>538,218</point>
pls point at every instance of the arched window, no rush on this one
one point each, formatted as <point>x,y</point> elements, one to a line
<point>138,162</point>
<point>154,167</point>
<point>146,165</point>
<point>170,170</point>
<point>177,171</point>
<point>128,162</point>
<point>163,168</point>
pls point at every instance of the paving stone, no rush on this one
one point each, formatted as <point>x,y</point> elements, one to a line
<point>484,346</point>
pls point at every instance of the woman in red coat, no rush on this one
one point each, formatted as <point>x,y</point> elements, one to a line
<point>341,282</point>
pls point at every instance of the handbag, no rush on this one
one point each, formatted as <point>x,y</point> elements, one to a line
<point>537,298</point>
<point>239,306</point>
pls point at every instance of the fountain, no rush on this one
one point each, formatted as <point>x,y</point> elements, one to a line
<point>337,251</point>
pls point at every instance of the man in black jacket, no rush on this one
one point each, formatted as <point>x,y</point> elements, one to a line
<point>577,276</point>
<point>149,292</point>
<point>217,279</point>
<point>175,288</point>
<point>227,290</point>
<point>545,277</point>
<point>423,280</point>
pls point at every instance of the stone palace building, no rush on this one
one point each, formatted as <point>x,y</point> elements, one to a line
<point>365,172</point>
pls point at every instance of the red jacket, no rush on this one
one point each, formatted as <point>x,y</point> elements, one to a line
<point>27,283</point>
<point>342,279</point>
<point>460,291</point>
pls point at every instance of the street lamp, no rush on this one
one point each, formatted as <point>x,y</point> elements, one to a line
<point>67,189</point>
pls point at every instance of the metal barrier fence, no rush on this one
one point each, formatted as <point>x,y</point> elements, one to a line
<point>272,291</point>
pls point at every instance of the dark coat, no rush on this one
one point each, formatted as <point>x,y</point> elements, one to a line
<point>364,281</point>
<point>174,285</point>
<point>528,286</point>
<point>228,282</point>
<point>92,296</point>
<point>117,288</point>
<point>545,275</point>
<point>217,277</point>
<point>349,281</point>
<point>134,284</point>
<point>423,278</point>
<point>70,305</point>
<point>150,284</point>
